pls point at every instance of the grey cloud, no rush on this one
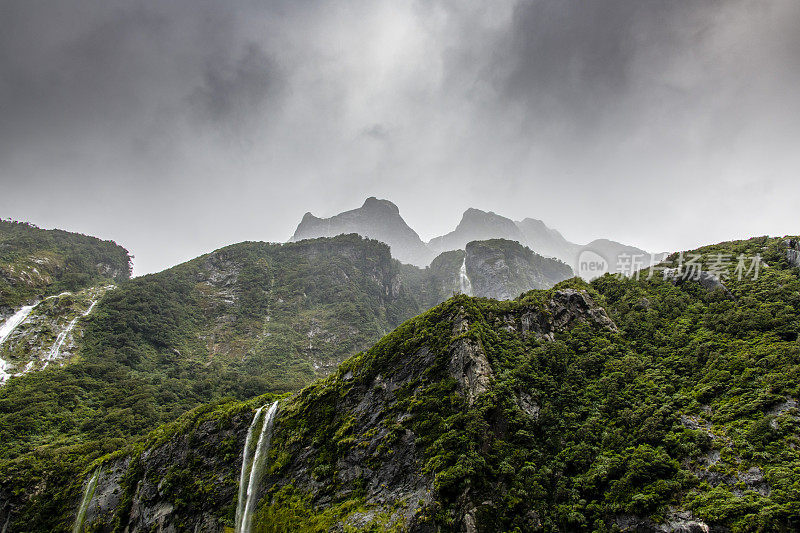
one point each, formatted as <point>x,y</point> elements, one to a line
<point>179,126</point>
<point>236,93</point>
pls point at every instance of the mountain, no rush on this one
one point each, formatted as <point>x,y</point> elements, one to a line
<point>49,281</point>
<point>495,268</point>
<point>477,225</point>
<point>381,220</point>
<point>36,263</point>
<point>376,219</point>
<point>588,261</point>
<point>547,241</point>
<point>503,269</point>
<point>245,319</point>
<point>663,403</point>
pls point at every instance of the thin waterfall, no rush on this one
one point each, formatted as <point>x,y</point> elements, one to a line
<point>7,329</point>
<point>244,476</point>
<point>15,320</point>
<point>466,285</point>
<point>88,493</point>
<point>251,473</point>
<point>55,350</point>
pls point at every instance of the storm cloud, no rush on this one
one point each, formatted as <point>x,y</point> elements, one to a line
<point>176,127</point>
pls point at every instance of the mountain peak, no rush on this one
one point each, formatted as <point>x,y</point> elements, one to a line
<point>375,204</point>
<point>376,219</point>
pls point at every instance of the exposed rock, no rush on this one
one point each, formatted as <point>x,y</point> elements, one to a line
<point>469,366</point>
<point>503,269</point>
<point>708,281</point>
<point>528,406</point>
<point>677,522</point>
<point>793,252</point>
<point>571,305</point>
<point>376,219</point>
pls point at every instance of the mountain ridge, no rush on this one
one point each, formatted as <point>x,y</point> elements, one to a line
<point>653,404</point>
<point>381,220</point>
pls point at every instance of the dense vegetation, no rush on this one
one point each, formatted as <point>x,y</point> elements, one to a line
<point>37,262</point>
<point>688,404</point>
<point>247,319</point>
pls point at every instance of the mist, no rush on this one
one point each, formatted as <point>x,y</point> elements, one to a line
<point>178,127</point>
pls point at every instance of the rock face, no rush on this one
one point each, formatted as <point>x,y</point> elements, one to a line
<point>354,429</point>
<point>376,219</point>
<point>793,252</point>
<point>503,269</point>
<point>185,483</point>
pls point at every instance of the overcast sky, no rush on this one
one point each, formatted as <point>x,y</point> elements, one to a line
<point>177,127</point>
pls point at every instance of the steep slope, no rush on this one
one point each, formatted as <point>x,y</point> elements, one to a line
<point>503,269</point>
<point>36,262</point>
<point>377,219</point>
<point>664,403</point>
<point>49,280</point>
<point>240,321</point>
<point>49,333</point>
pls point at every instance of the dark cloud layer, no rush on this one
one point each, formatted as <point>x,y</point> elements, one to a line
<point>175,127</point>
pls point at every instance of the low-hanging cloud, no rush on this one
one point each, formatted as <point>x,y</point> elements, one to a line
<point>175,127</point>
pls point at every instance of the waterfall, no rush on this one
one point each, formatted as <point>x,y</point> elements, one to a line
<point>88,493</point>
<point>244,476</point>
<point>466,285</point>
<point>252,469</point>
<point>15,320</point>
<point>56,348</point>
<point>7,329</point>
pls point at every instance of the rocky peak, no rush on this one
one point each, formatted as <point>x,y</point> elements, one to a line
<point>477,225</point>
<point>376,219</point>
<point>504,269</point>
<point>374,205</point>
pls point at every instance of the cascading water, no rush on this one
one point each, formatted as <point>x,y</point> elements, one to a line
<point>253,468</point>
<point>88,493</point>
<point>7,329</point>
<point>56,348</point>
<point>244,476</point>
<point>466,285</point>
<point>15,320</point>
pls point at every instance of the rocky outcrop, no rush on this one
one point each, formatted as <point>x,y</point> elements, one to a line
<point>572,305</point>
<point>468,364</point>
<point>676,522</point>
<point>793,252</point>
<point>185,483</point>
<point>376,219</point>
<point>706,280</point>
<point>503,270</point>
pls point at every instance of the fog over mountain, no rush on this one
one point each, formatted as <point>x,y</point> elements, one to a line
<point>177,127</point>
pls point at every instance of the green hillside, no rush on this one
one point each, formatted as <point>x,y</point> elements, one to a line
<point>35,262</point>
<point>624,404</point>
